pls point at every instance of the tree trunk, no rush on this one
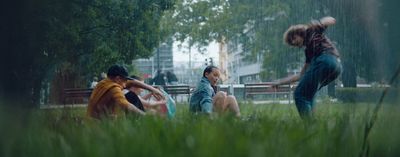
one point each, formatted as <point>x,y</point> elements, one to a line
<point>331,89</point>
<point>349,75</point>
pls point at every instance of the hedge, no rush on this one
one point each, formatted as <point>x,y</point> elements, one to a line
<point>370,94</point>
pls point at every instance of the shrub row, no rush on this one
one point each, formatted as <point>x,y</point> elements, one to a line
<point>370,95</point>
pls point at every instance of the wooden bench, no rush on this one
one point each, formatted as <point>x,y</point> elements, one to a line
<point>175,90</point>
<point>266,89</point>
<point>76,95</point>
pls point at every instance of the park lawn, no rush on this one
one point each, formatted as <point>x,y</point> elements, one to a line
<point>264,130</point>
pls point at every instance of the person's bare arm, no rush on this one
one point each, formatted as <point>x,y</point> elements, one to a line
<point>152,104</point>
<point>120,99</point>
<point>147,96</point>
<point>321,25</point>
<point>292,78</point>
<point>327,21</point>
<point>133,108</point>
<point>157,93</point>
<point>158,102</point>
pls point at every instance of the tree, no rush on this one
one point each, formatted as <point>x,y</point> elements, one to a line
<point>90,34</point>
<point>365,33</point>
<point>253,24</point>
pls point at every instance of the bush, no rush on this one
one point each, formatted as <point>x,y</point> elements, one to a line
<point>371,95</point>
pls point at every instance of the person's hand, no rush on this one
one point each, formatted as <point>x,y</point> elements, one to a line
<point>274,84</point>
<point>158,95</point>
<point>328,20</point>
<point>161,101</point>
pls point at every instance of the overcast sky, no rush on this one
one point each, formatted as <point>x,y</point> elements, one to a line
<point>183,55</point>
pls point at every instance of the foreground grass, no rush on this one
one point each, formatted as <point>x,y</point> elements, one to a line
<point>264,130</point>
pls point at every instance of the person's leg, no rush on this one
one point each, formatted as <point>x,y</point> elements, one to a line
<point>323,70</point>
<point>232,104</point>
<point>219,102</point>
<point>331,69</point>
<point>222,102</point>
<point>305,93</point>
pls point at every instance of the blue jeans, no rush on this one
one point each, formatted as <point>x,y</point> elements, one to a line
<point>322,70</point>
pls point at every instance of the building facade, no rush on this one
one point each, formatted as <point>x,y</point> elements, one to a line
<point>239,69</point>
<point>161,60</point>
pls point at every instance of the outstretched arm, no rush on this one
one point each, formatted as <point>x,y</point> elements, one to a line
<point>292,78</point>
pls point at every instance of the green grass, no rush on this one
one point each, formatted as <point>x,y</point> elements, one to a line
<point>265,130</point>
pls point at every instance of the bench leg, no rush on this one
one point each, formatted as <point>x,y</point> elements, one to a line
<point>64,102</point>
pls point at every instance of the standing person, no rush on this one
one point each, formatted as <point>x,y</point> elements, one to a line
<point>171,78</point>
<point>94,82</point>
<point>107,98</point>
<point>322,64</point>
<point>205,99</point>
<point>158,79</point>
<point>103,75</point>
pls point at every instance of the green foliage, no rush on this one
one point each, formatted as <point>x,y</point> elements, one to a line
<point>132,70</point>
<point>265,130</point>
<point>258,26</point>
<point>369,95</point>
<point>117,31</point>
<point>89,35</point>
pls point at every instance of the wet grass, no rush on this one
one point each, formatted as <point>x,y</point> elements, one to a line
<point>264,130</point>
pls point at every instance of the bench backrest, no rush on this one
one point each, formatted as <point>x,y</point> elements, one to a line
<point>177,89</point>
<point>77,92</point>
<point>265,88</point>
<point>76,95</point>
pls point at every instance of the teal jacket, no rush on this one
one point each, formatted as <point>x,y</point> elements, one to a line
<point>201,99</point>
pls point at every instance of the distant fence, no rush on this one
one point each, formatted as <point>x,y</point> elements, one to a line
<point>363,93</point>
<point>256,92</point>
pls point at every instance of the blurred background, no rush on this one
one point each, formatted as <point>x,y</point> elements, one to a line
<point>48,46</point>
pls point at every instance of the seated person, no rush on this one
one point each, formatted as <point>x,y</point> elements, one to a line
<point>107,98</point>
<point>145,103</point>
<point>205,99</point>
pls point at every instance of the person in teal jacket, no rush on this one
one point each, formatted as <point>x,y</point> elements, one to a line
<point>205,98</point>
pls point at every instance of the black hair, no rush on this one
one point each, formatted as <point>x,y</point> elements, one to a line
<point>209,69</point>
<point>215,89</point>
<point>117,70</point>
